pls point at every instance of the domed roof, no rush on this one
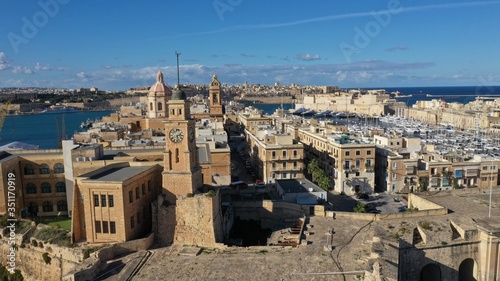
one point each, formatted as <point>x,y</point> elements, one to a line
<point>178,94</point>
<point>160,86</point>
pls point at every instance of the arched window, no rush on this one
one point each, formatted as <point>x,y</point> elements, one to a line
<point>60,187</point>
<point>44,169</point>
<point>29,170</point>
<point>62,206</point>
<point>46,188</point>
<point>150,106</point>
<point>47,206</point>
<point>30,188</point>
<point>430,272</point>
<point>467,270</point>
<point>33,207</point>
<point>160,106</point>
<point>58,168</point>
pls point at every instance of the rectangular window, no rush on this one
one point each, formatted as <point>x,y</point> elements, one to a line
<point>103,200</point>
<point>368,152</point>
<point>96,200</point>
<point>132,222</point>
<point>111,201</point>
<point>394,165</point>
<point>358,152</point>
<point>137,193</point>
<point>97,226</point>
<point>112,227</point>
<point>347,153</point>
<point>143,187</point>
<point>485,168</point>
<point>130,197</point>
<point>346,164</point>
<point>358,163</point>
<point>295,154</point>
<point>105,227</point>
<point>284,165</point>
<point>273,154</point>
<point>284,153</point>
<point>394,176</point>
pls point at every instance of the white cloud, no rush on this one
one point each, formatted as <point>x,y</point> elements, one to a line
<point>308,57</point>
<point>83,75</point>
<point>22,70</point>
<point>363,73</point>
<point>40,67</point>
<point>397,48</point>
<point>4,62</point>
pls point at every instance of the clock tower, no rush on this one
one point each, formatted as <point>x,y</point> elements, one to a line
<point>215,93</point>
<point>182,172</point>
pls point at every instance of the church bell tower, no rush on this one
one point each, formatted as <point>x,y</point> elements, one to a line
<point>215,95</point>
<point>182,171</point>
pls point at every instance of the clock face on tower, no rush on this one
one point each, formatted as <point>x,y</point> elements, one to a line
<point>176,135</point>
<point>191,134</point>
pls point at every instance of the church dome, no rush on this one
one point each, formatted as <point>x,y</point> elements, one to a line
<point>160,86</point>
<point>178,94</point>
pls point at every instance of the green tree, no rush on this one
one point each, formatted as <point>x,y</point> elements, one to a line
<point>325,183</point>
<point>313,166</point>
<point>359,208</point>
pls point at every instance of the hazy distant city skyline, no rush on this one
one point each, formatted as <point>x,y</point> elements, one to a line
<point>118,45</point>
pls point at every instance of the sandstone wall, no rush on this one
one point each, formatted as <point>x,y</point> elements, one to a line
<point>416,201</point>
<point>447,257</point>
<point>30,261</point>
<point>89,268</point>
<point>267,209</point>
<point>196,219</point>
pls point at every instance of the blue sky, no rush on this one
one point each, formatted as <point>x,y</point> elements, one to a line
<point>116,45</point>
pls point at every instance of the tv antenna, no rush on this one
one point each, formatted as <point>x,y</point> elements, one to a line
<point>178,79</point>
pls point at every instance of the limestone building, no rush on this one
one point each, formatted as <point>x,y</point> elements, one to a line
<point>113,203</point>
<point>348,161</point>
<point>275,156</point>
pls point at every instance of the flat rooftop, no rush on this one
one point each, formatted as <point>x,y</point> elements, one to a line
<point>298,186</point>
<point>118,174</point>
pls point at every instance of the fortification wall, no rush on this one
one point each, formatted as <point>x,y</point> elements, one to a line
<point>89,268</point>
<point>30,261</point>
<point>416,201</point>
<point>197,221</point>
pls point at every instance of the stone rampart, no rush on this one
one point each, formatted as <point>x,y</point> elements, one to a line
<point>89,268</point>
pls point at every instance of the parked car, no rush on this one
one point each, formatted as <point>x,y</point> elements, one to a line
<point>362,196</point>
<point>260,184</point>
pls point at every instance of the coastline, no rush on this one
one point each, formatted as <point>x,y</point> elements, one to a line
<point>78,110</point>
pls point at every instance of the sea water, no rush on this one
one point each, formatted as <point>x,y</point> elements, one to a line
<point>41,129</point>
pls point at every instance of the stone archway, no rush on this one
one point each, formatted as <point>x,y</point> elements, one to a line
<point>467,270</point>
<point>430,272</point>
